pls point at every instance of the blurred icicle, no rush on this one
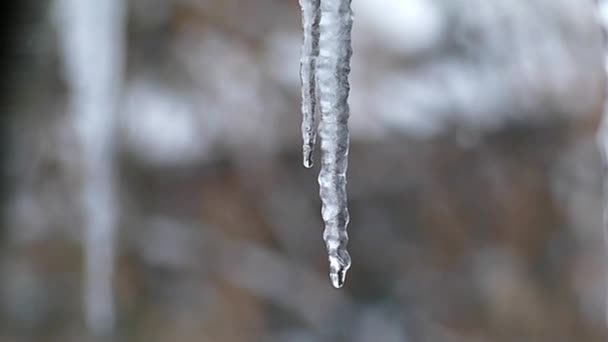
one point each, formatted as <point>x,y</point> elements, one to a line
<point>92,34</point>
<point>333,68</point>
<point>311,16</point>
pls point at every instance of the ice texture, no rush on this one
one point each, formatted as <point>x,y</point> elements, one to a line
<point>333,69</point>
<point>311,16</point>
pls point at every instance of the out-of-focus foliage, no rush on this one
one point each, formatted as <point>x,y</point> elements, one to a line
<point>475,182</point>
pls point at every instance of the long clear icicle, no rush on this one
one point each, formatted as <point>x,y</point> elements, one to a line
<point>311,15</point>
<point>333,69</point>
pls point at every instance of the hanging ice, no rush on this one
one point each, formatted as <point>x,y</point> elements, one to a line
<point>92,34</point>
<point>311,15</point>
<point>331,69</point>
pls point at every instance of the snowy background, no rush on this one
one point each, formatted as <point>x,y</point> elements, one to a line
<point>153,186</point>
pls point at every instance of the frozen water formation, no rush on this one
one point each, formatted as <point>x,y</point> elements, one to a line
<point>92,35</point>
<point>324,70</point>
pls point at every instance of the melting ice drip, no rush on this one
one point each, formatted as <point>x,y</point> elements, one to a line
<point>324,70</point>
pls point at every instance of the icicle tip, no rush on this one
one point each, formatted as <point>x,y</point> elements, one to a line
<point>338,277</point>
<point>307,155</point>
<point>338,266</point>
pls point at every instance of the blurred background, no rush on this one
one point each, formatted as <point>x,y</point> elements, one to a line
<point>153,187</point>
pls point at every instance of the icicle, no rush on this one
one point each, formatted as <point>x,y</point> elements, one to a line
<point>311,15</point>
<point>333,68</point>
<point>92,34</point>
<point>324,70</point>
